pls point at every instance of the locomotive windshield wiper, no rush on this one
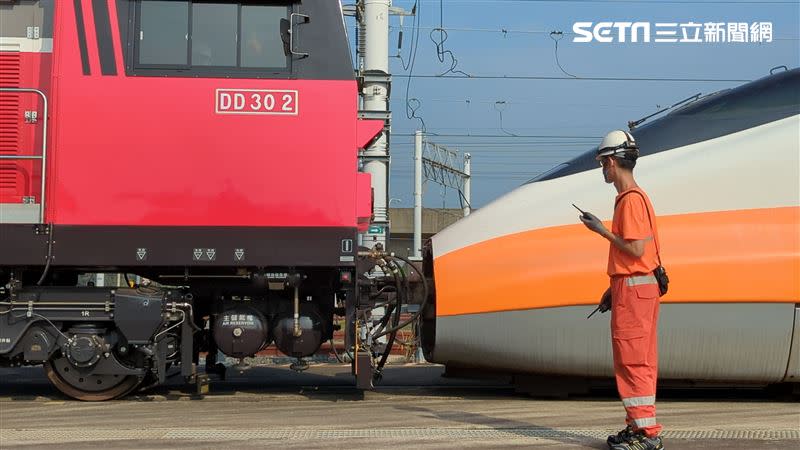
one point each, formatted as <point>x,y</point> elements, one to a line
<point>636,123</point>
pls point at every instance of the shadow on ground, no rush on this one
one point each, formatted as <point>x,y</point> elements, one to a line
<point>334,382</point>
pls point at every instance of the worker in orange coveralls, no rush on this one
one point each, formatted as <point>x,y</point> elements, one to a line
<point>633,295</point>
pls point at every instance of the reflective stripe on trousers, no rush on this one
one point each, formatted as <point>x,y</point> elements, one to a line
<point>639,401</point>
<point>645,422</point>
<point>634,340</point>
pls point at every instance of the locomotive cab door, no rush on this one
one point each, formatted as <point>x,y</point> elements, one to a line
<point>26,43</point>
<point>22,180</point>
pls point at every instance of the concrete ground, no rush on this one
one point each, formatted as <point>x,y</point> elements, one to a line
<point>414,405</point>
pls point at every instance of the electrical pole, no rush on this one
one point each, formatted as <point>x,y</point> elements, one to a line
<point>375,94</point>
<point>467,184</point>
<point>375,82</point>
<point>417,251</point>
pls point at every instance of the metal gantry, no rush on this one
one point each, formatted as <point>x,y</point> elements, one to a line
<point>443,166</point>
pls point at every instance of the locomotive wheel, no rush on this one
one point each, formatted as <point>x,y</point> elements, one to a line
<point>87,387</point>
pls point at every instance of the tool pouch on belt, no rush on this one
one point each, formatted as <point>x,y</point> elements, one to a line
<point>663,280</point>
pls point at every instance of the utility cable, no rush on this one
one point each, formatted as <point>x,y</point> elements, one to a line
<point>441,52</point>
<point>413,104</point>
<point>506,31</point>
<point>500,106</point>
<point>462,199</point>
<point>46,269</point>
<point>646,2</point>
<point>557,36</point>
<point>542,136</point>
<point>538,77</point>
<point>415,28</point>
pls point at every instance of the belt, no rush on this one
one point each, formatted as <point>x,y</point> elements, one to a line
<point>639,280</point>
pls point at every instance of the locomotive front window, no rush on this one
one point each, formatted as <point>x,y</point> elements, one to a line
<point>262,45</point>
<point>163,31</point>
<point>214,34</point>
<point>207,38</point>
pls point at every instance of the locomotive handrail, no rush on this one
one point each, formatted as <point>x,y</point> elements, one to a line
<point>43,156</point>
<point>306,19</point>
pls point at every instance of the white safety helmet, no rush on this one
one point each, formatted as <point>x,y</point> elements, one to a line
<point>618,142</point>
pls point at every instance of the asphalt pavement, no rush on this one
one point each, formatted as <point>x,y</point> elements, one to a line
<point>271,406</point>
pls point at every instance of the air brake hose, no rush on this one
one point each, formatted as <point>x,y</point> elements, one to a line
<point>416,315</point>
<point>398,306</point>
<point>336,353</point>
<point>381,324</point>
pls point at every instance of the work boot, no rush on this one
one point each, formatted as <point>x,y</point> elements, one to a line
<point>620,437</point>
<point>638,441</point>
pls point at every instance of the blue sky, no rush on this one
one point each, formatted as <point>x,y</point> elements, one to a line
<point>581,109</point>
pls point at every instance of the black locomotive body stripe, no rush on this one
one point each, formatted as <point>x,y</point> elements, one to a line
<point>81,25</point>
<point>105,44</point>
<point>178,246</point>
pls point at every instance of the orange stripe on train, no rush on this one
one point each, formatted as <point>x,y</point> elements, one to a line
<point>730,256</point>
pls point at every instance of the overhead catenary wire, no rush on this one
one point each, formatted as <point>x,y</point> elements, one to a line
<point>414,29</point>
<point>441,52</point>
<point>413,104</point>
<point>557,36</point>
<point>509,31</point>
<point>516,139</point>
<point>647,2</point>
<point>533,102</point>
<point>499,106</point>
<point>505,31</point>
<point>545,136</point>
<point>545,78</point>
<point>494,148</point>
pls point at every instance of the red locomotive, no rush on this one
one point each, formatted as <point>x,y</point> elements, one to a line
<point>211,147</point>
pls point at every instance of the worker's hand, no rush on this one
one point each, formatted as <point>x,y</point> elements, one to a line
<point>593,223</point>
<point>605,301</point>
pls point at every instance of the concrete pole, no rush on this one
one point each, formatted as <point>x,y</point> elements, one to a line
<point>376,98</point>
<point>376,46</point>
<point>417,253</point>
<point>467,183</point>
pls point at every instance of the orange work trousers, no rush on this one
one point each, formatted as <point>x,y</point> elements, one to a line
<point>634,340</point>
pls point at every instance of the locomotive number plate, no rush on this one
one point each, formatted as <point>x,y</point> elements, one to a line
<point>257,101</point>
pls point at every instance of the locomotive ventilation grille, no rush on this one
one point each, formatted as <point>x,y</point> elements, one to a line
<point>10,115</point>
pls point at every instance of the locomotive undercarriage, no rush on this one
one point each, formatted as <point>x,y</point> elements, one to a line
<point>97,343</point>
<point>100,343</point>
